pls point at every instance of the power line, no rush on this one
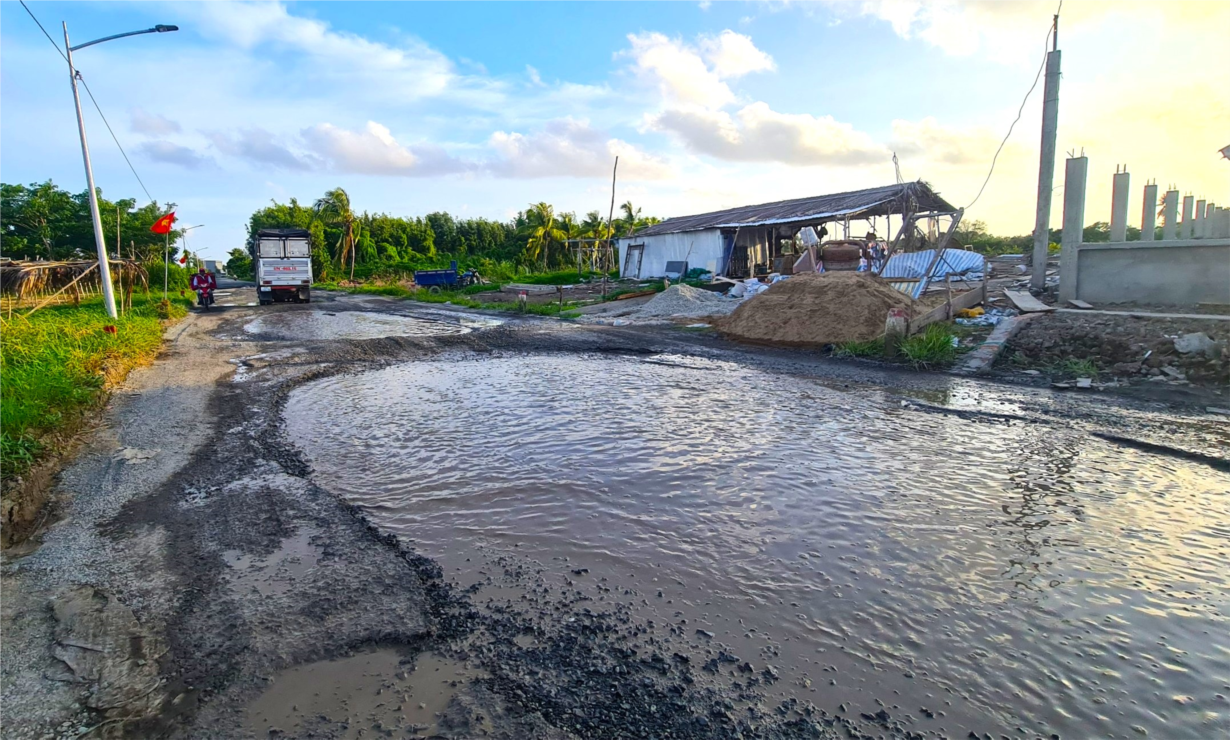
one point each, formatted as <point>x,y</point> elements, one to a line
<point>113,137</point>
<point>44,30</point>
<point>1019,112</point>
<point>92,100</point>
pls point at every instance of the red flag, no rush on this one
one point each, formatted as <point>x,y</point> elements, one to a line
<point>184,260</point>
<point>163,225</point>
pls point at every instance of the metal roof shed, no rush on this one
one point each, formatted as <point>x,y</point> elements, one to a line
<point>711,238</point>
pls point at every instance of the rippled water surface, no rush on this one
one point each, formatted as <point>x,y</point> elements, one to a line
<point>1005,574</point>
<point>319,325</point>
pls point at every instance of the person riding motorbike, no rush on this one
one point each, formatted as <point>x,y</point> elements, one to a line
<point>204,284</point>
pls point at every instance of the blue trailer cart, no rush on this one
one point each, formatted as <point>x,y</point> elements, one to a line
<point>438,280</point>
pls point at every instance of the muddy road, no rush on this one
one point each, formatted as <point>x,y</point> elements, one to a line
<point>366,518</point>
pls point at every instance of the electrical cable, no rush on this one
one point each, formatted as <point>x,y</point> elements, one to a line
<point>114,138</point>
<point>1019,112</point>
<point>92,100</point>
<point>44,30</point>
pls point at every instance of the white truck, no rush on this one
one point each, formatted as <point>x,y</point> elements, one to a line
<point>282,265</point>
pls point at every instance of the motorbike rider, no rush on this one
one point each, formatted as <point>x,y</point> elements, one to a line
<point>204,284</point>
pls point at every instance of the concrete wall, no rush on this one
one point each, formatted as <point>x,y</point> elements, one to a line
<point>706,251</point>
<point>1176,272</point>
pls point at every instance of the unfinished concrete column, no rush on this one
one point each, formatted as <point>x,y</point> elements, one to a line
<point>1074,224</point>
<point>1198,228</point>
<point>1118,207</point>
<point>1148,218</point>
<point>1170,215</point>
<point>1186,228</point>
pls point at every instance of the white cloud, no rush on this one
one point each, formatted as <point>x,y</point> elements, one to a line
<point>374,151</point>
<point>733,55</point>
<point>535,78</point>
<point>677,70</point>
<point>411,70</point>
<point>570,148</point>
<point>758,133</point>
<point>144,122</point>
<point>160,150</point>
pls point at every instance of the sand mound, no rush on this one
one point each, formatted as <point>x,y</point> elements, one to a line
<point>685,302</point>
<point>812,310</point>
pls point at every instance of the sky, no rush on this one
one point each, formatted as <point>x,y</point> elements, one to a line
<point>480,109</point>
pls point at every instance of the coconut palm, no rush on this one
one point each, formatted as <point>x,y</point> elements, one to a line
<point>543,232</point>
<point>335,208</point>
<point>631,217</point>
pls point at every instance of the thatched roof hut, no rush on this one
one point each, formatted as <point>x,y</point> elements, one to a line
<point>25,280</point>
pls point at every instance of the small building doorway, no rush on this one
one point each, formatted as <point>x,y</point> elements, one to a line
<point>632,261</point>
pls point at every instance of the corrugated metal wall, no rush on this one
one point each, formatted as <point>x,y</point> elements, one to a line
<point>706,252</point>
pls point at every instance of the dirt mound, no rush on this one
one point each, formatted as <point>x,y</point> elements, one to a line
<point>813,310</point>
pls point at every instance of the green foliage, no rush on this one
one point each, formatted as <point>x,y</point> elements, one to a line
<point>872,348</point>
<point>932,348</point>
<point>388,247</point>
<point>563,277</point>
<point>55,365</point>
<point>41,220</point>
<point>1077,368</point>
<point>239,265</point>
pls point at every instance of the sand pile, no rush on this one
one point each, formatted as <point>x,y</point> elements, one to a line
<point>811,309</point>
<point>685,302</point>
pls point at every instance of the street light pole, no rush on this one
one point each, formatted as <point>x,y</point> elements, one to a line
<point>104,267</point>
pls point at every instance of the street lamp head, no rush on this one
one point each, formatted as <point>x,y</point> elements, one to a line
<point>163,29</point>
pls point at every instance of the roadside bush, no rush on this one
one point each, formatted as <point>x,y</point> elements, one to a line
<point>872,348</point>
<point>934,347</point>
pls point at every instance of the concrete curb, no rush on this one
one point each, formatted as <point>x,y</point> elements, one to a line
<point>984,356</point>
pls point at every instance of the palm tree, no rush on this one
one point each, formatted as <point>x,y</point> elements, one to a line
<point>543,233</point>
<point>569,227</point>
<point>335,208</point>
<point>631,216</point>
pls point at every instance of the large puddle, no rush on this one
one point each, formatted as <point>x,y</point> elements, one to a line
<point>1003,576</point>
<point>322,325</point>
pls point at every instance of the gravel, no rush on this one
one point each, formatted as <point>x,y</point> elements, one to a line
<point>686,302</point>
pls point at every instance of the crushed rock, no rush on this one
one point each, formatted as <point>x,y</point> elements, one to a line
<point>686,302</point>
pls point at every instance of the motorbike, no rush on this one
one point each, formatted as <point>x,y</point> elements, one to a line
<point>204,298</point>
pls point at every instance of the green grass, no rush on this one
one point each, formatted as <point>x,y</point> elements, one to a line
<point>56,365</point>
<point>1077,368</point>
<point>932,348</point>
<point>563,277</point>
<point>872,348</point>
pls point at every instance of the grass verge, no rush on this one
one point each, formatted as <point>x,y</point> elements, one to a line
<point>871,348</point>
<point>934,347</point>
<point>57,364</point>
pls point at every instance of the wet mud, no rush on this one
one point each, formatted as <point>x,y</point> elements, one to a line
<point>541,531</point>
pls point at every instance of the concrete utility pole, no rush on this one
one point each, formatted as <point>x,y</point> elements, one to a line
<point>1046,163</point>
<point>104,266</point>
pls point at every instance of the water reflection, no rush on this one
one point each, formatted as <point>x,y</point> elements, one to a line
<point>1002,573</point>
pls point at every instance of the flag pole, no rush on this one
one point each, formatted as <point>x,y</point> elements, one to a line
<point>166,264</point>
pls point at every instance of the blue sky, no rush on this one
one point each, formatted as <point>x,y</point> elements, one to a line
<point>481,108</point>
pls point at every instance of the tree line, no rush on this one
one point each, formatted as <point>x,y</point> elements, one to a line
<point>345,242</point>
<point>43,221</point>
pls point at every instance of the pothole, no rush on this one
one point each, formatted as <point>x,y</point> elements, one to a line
<point>323,325</point>
<point>274,574</point>
<point>379,691</point>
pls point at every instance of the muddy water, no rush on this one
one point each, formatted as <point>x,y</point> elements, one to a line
<point>995,575</point>
<point>321,325</point>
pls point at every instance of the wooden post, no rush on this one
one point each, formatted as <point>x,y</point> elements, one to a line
<point>896,326</point>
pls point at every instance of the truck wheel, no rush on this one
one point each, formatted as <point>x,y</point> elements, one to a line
<point>305,295</point>
<point>435,289</point>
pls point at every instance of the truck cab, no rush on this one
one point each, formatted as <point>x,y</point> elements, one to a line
<point>282,265</point>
